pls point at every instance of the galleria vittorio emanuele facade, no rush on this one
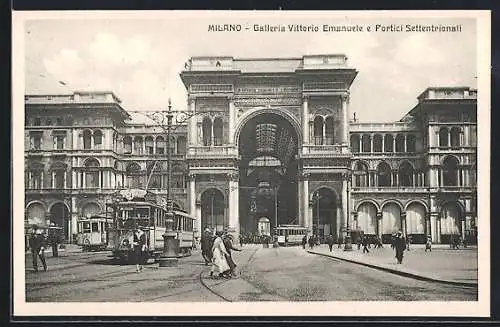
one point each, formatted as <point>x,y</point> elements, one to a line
<point>270,141</point>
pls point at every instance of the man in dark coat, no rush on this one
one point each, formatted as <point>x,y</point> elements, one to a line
<point>329,241</point>
<point>227,239</point>
<point>400,246</point>
<point>37,244</point>
<point>304,242</point>
<point>206,246</point>
<point>311,242</point>
<point>365,245</point>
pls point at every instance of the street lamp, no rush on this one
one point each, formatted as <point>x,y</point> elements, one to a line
<point>317,197</point>
<point>348,242</point>
<point>170,248</point>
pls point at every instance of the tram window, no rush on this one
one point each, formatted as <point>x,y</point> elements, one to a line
<point>79,227</point>
<point>95,227</point>
<point>86,227</point>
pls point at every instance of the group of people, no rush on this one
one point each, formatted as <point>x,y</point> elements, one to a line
<point>216,249</point>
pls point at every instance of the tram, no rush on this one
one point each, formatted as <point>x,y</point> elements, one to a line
<point>136,212</point>
<point>290,234</point>
<point>93,233</point>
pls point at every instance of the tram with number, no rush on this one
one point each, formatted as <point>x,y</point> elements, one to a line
<point>93,233</point>
<point>133,211</point>
<point>290,234</point>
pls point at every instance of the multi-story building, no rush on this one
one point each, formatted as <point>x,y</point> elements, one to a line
<point>269,142</point>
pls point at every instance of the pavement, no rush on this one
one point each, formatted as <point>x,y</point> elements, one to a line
<point>445,265</point>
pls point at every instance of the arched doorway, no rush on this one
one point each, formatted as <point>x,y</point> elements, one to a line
<point>451,218</point>
<point>324,213</point>
<point>212,210</point>
<point>367,219</point>
<point>35,214</point>
<point>268,145</point>
<point>415,222</point>
<point>391,220</point>
<point>59,215</point>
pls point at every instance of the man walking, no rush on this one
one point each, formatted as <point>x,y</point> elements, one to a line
<point>428,244</point>
<point>229,258</point>
<point>400,245</point>
<point>365,245</point>
<point>37,245</point>
<point>329,241</point>
<point>304,242</point>
<point>206,246</point>
<point>311,242</point>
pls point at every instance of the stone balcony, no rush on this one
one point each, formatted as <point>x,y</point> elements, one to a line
<point>212,152</point>
<point>336,150</point>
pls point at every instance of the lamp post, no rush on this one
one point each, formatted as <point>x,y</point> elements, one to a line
<point>348,242</point>
<point>316,199</point>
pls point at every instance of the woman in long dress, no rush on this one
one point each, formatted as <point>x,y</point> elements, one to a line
<point>220,267</point>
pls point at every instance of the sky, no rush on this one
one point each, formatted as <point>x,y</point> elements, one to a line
<point>140,59</point>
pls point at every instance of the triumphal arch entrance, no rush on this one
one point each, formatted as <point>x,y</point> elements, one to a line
<point>268,142</point>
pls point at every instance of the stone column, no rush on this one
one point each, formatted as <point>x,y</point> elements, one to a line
<point>198,212</point>
<point>438,229</point>
<point>305,200</point>
<point>345,115</point>
<point>379,225</point>
<point>406,145</point>
<point>462,227</point>
<point>310,216</point>
<point>403,224</point>
<point>433,227</point>
<point>361,143</point>
<point>339,220</point>
<point>383,143</point>
<point>427,225</point>
<point>394,143</point>
<point>345,200</point>
<point>192,139</point>
<point>74,217</point>
<point>305,120</point>
<point>192,203</point>
<point>231,121</point>
<point>234,221</point>
<point>371,142</point>
<point>300,205</point>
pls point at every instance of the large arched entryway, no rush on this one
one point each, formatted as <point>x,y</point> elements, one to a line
<point>268,144</point>
<point>324,213</point>
<point>391,220</point>
<point>451,219</point>
<point>59,215</point>
<point>212,210</point>
<point>367,219</point>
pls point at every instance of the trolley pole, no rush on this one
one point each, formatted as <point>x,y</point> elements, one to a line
<point>169,255</point>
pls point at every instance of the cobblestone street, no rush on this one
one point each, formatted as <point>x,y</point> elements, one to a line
<point>281,274</point>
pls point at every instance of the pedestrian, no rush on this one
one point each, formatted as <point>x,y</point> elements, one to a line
<point>399,245</point>
<point>228,243</point>
<point>408,242</point>
<point>358,242</point>
<point>304,242</point>
<point>206,246</point>
<point>393,240</point>
<point>53,239</point>
<point>365,244</point>
<point>428,244</point>
<point>139,249</point>
<point>37,244</point>
<point>329,241</point>
<point>311,242</point>
<point>339,242</point>
<point>220,267</point>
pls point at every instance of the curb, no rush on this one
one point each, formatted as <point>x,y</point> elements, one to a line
<point>399,272</point>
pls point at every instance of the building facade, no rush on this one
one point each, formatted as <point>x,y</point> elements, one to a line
<point>269,142</point>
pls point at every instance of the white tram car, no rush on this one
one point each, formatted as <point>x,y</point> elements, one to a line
<point>151,219</point>
<point>290,234</point>
<point>93,233</point>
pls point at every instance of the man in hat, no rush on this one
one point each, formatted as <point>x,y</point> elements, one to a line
<point>400,246</point>
<point>37,246</point>
<point>206,246</point>
<point>228,243</point>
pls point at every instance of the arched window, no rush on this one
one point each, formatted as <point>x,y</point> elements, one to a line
<point>450,172</point>
<point>134,175</point>
<point>181,145</point>
<point>366,143</point>
<point>92,173</point>
<point>218,131</point>
<point>318,130</point>
<point>138,145</point>
<point>149,144</point>
<point>443,136</point>
<point>384,174</point>
<point>160,145</point>
<point>405,174</point>
<point>97,139</point>
<point>411,143</point>
<point>178,177</point>
<point>207,131</point>
<point>400,143</point>
<point>87,139</point>
<point>329,130</point>
<point>355,143</point>
<point>377,143</point>
<point>455,137</point>
<point>127,145</point>
<point>388,143</point>
<point>361,174</point>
